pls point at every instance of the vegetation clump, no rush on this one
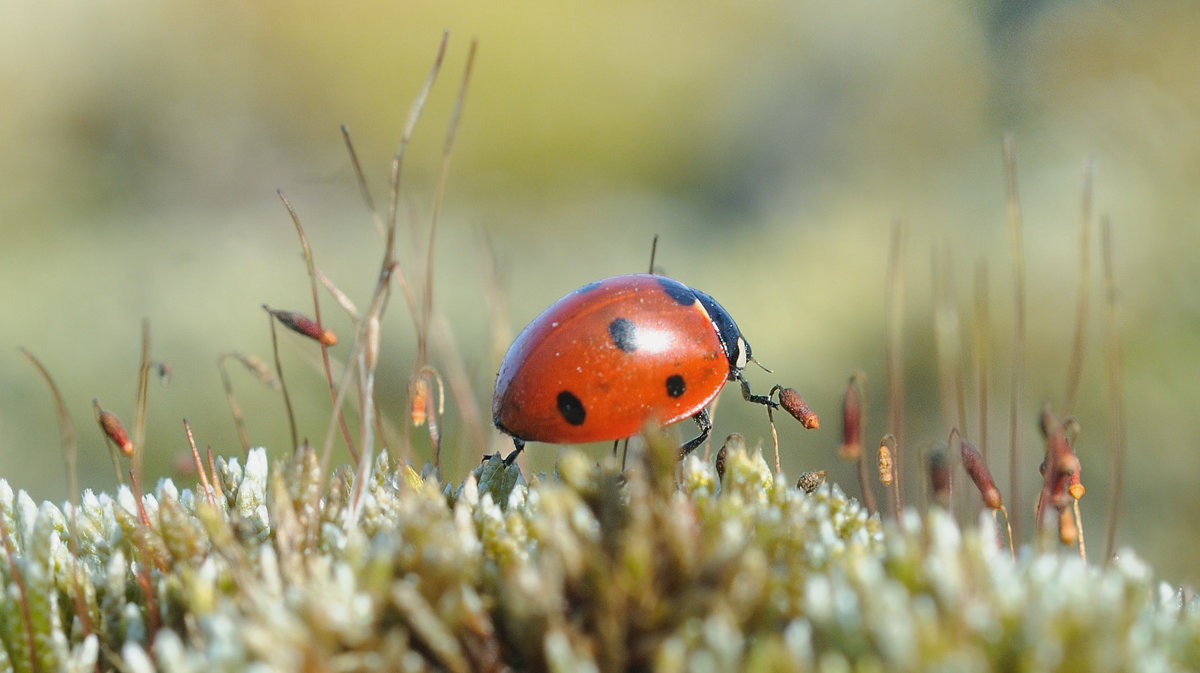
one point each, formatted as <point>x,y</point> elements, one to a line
<point>660,567</point>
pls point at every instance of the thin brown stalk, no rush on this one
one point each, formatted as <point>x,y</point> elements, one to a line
<point>208,492</point>
<point>66,432</point>
<point>387,226</point>
<point>66,429</point>
<point>1079,345</point>
<point>361,179</point>
<point>239,422</point>
<point>1116,390</point>
<point>499,326</point>
<point>774,437</point>
<point>438,198</point>
<point>410,124</point>
<point>362,341</point>
<point>953,450</point>
<point>948,341</point>
<point>854,420</point>
<point>895,354</point>
<point>135,485</point>
<point>313,283</point>
<point>459,382</point>
<point>261,371</point>
<point>1012,208</point>
<point>287,399</point>
<point>1012,552</point>
<point>340,297</point>
<point>368,359</point>
<point>443,179</point>
<point>983,350</point>
<point>949,347</point>
<point>1079,526</point>
<point>434,217</point>
<point>139,409</point>
<point>146,562</point>
<point>212,469</point>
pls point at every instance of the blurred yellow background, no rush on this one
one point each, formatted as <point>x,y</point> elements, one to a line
<point>770,144</point>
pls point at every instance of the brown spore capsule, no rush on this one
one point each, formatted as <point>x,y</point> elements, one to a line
<point>303,325</point>
<point>112,428</point>
<point>978,471</point>
<point>851,448</point>
<point>794,404</point>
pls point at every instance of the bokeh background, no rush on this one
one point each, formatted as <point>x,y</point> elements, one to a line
<point>771,145</point>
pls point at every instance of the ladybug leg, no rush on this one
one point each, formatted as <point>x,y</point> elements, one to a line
<point>512,457</point>
<point>764,400</point>
<point>705,427</point>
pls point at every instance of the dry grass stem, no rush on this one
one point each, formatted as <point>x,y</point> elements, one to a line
<point>983,351</point>
<point>323,336</point>
<point>1012,208</point>
<point>1079,344</point>
<point>200,471</point>
<point>894,356</point>
<point>1116,390</point>
<point>137,458</point>
<point>287,400</point>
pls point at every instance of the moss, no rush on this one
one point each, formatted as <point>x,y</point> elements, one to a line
<point>660,566</point>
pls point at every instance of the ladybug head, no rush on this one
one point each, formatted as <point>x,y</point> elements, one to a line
<point>737,351</point>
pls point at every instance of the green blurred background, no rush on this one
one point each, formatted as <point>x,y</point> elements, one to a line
<point>770,144</point>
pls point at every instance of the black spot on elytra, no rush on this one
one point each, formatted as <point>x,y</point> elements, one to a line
<point>570,408</point>
<point>681,293</point>
<point>623,334</point>
<point>676,385</point>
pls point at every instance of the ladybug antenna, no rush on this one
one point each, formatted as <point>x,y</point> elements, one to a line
<point>653,251</point>
<point>750,358</point>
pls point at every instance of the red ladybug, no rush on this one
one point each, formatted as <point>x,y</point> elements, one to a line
<point>614,354</point>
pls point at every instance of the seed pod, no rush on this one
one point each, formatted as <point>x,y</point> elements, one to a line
<point>1074,485</point>
<point>734,442</point>
<point>304,325</point>
<point>851,448</point>
<point>887,473</point>
<point>112,428</point>
<point>977,470</point>
<point>1068,532</point>
<point>418,398</point>
<point>939,475</point>
<point>795,405</point>
<point>811,481</point>
<point>422,408</point>
<point>1060,468</point>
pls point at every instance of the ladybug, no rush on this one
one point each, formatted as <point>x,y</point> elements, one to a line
<point>615,354</point>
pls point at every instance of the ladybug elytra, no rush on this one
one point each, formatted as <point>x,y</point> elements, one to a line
<point>615,354</point>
